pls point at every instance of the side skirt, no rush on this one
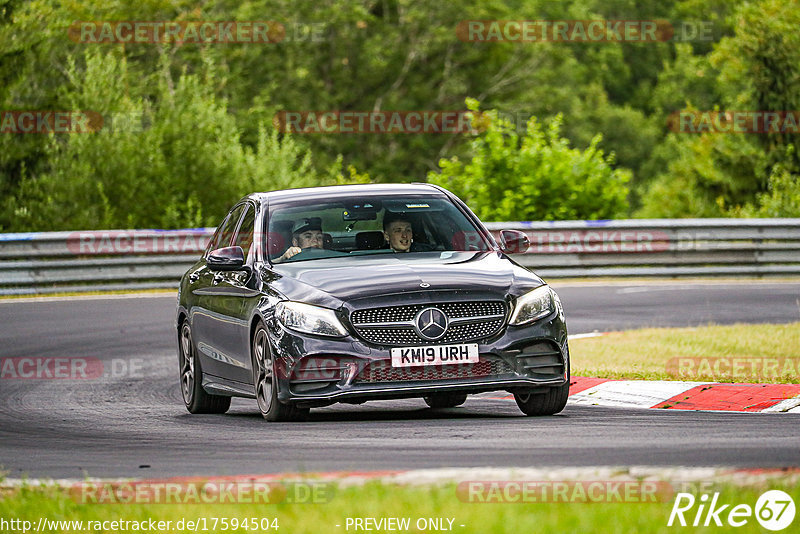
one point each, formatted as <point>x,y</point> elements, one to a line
<point>222,386</point>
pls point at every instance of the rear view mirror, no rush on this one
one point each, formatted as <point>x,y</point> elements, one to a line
<point>359,215</point>
<point>226,259</point>
<point>361,210</point>
<point>514,242</point>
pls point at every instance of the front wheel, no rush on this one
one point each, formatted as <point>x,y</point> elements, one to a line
<point>551,402</point>
<point>266,384</point>
<point>196,399</point>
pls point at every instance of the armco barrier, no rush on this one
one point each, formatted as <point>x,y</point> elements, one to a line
<point>49,262</point>
<point>137,259</point>
<point>661,247</point>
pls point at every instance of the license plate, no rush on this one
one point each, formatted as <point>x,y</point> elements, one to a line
<point>435,355</point>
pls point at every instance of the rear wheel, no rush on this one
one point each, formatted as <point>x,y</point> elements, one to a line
<point>266,384</point>
<point>446,400</point>
<point>196,399</point>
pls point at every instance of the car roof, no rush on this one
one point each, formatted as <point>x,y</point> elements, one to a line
<point>345,191</point>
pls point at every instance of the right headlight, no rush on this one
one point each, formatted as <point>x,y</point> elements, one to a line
<point>533,305</point>
<point>309,319</point>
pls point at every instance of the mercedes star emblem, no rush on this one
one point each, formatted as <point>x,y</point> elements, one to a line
<point>431,323</point>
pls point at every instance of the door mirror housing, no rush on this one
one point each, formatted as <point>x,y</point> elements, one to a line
<point>514,242</point>
<point>226,259</point>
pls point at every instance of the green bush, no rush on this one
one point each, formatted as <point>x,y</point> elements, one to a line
<point>782,199</point>
<point>173,162</point>
<point>536,177</point>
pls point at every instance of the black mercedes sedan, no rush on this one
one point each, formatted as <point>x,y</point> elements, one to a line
<point>308,297</point>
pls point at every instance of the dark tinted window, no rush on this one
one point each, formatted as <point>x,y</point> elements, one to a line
<point>355,226</point>
<point>244,237</point>
<point>222,238</point>
<point>213,243</point>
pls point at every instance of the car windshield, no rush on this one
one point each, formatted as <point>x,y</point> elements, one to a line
<point>331,228</point>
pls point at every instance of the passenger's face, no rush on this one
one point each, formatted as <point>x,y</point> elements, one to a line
<point>399,235</point>
<point>308,239</point>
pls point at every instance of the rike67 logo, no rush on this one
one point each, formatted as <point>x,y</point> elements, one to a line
<point>774,510</point>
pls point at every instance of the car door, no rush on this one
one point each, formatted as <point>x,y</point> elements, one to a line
<point>199,278</point>
<point>210,316</point>
<point>227,338</point>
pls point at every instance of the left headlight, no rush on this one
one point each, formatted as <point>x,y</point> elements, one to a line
<point>309,319</point>
<point>533,305</point>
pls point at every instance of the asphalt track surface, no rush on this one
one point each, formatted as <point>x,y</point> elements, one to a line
<point>132,422</point>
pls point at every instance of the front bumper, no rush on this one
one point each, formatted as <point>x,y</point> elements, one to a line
<point>316,371</point>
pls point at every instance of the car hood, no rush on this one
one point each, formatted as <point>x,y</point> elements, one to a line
<point>333,282</point>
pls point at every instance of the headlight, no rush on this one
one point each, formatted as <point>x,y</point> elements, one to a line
<point>309,319</point>
<point>533,305</point>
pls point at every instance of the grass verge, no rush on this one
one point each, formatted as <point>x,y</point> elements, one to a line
<point>762,353</point>
<point>378,500</point>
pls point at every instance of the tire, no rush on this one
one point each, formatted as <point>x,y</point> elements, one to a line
<point>549,403</point>
<point>445,400</point>
<point>196,399</point>
<point>265,382</point>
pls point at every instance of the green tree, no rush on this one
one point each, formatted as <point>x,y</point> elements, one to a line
<point>760,70</point>
<point>717,174</point>
<point>537,176</point>
<point>176,162</point>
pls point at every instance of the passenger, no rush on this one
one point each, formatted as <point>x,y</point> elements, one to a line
<point>397,231</point>
<point>306,233</point>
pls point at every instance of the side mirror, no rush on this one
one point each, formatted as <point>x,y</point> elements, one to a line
<point>514,242</point>
<point>226,259</point>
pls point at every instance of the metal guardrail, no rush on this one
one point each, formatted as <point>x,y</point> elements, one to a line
<point>50,262</point>
<point>661,247</point>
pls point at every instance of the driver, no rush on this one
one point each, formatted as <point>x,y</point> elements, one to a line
<point>397,231</point>
<point>306,233</point>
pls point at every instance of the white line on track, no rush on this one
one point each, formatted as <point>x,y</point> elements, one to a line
<point>583,336</point>
<point>166,294</point>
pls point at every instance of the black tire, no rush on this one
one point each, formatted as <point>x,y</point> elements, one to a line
<point>196,399</point>
<point>445,400</point>
<point>265,382</point>
<point>548,403</point>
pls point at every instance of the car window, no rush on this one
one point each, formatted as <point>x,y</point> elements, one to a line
<point>213,243</point>
<point>355,227</point>
<point>224,234</point>
<point>244,235</point>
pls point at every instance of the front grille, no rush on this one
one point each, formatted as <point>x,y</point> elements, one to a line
<point>382,371</point>
<point>469,321</point>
